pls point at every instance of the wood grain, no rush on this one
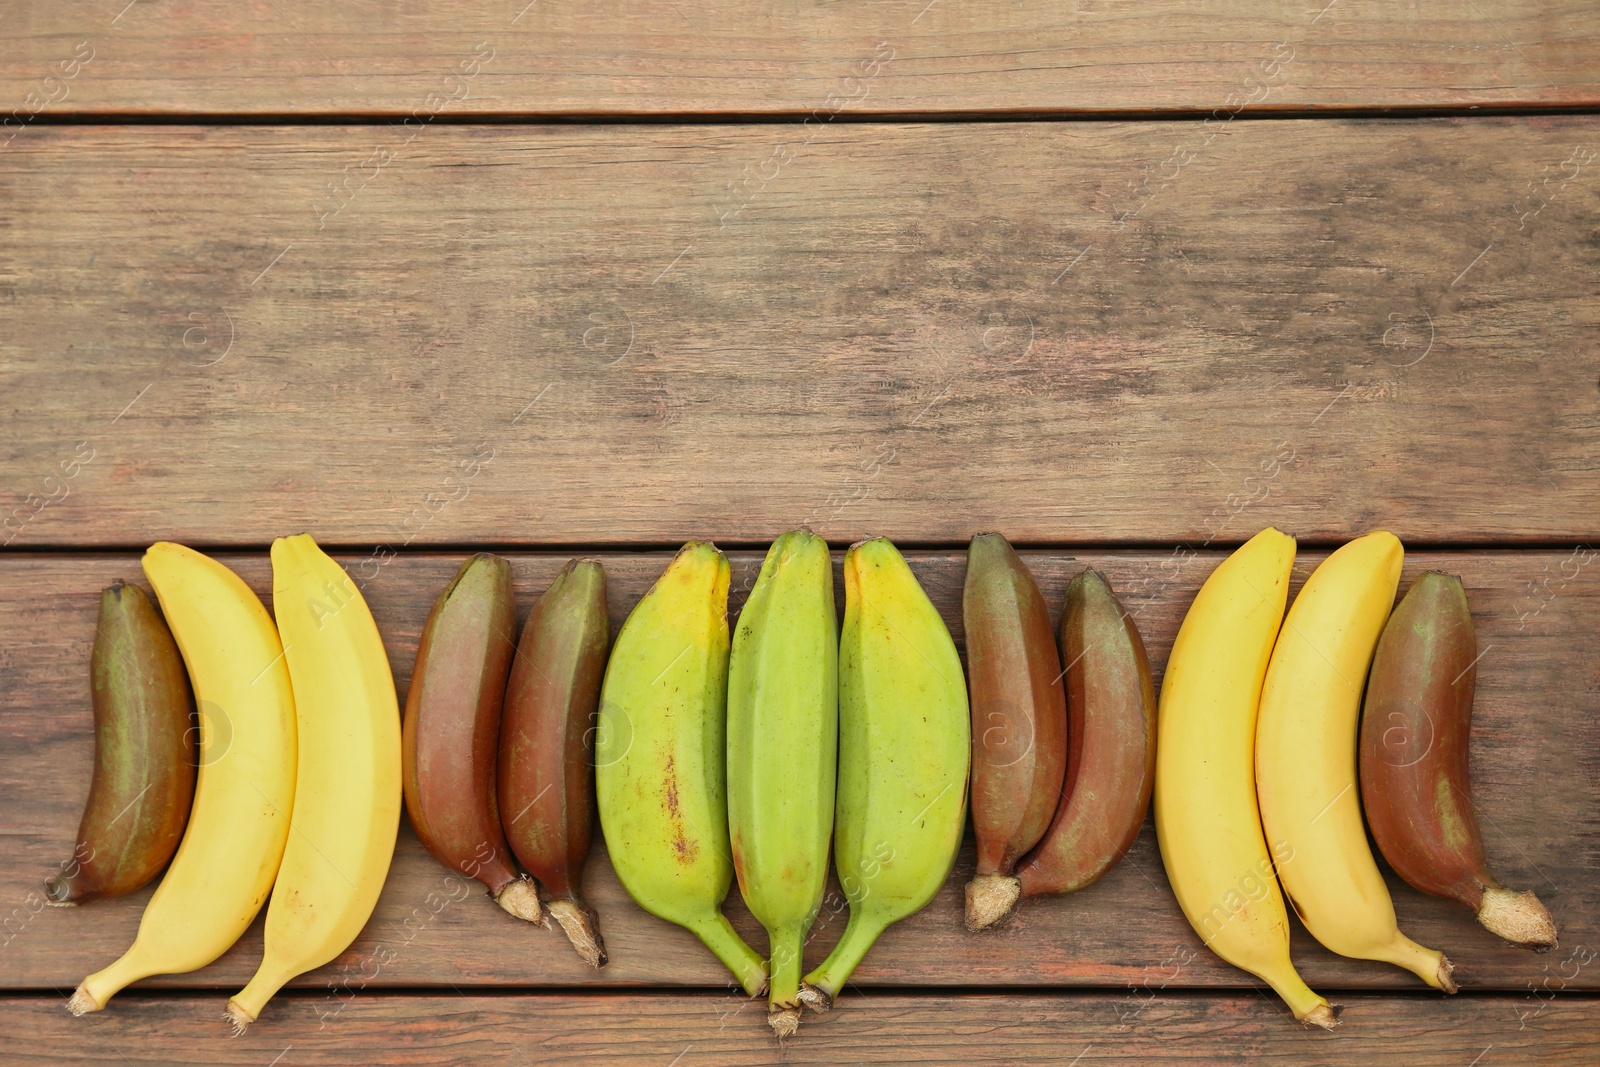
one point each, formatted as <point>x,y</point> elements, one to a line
<point>1535,767</point>
<point>659,57</point>
<point>517,1030</point>
<point>551,335</point>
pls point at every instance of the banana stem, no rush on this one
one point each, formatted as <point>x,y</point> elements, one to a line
<point>1308,1007</point>
<point>245,1006</point>
<point>859,934</point>
<point>93,992</point>
<point>578,920</point>
<point>788,945</point>
<point>723,940</point>
<point>1427,964</point>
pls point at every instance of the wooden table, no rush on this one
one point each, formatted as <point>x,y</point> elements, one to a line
<point>1126,281</point>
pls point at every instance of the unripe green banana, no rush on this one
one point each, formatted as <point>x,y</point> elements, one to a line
<point>659,755</point>
<point>904,749</point>
<point>783,724</point>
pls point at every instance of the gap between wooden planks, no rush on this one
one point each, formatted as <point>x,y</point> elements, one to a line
<point>1536,742</point>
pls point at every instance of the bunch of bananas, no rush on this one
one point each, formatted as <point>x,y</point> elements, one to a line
<point>706,767</point>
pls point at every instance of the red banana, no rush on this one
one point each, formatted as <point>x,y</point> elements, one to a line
<point>1019,720</point>
<point>547,744</point>
<point>144,753</point>
<point>1111,761</point>
<point>1415,786</point>
<point>452,724</point>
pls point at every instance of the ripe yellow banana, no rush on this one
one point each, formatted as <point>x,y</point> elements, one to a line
<point>904,750</point>
<point>783,724</point>
<point>659,756</point>
<point>1306,758</point>
<point>1206,816</point>
<point>240,820</point>
<point>348,793</point>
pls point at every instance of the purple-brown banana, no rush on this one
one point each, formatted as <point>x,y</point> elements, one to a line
<point>144,753</point>
<point>1019,720</point>
<point>547,744</point>
<point>451,728</point>
<point>1415,785</point>
<point>1111,757</point>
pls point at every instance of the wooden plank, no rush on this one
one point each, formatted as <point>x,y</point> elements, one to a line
<point>551,335</point>
<point>1536,747</point>
<point>518,1030</point>
<point>657,57</point>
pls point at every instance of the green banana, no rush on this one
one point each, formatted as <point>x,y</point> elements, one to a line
<point>783,725</point>
<point>904,749</point>
<point>659,756</point>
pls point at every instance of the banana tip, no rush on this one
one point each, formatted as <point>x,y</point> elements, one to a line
<point>521,898</point>
<point>239,1018</point>
<point>580,925</point>
<point>82,1003</point>
<point>784,1022</point>
<point>814,998</point>
<point>58,890</point>
<point>1323,1015</point>
<point>1519,918</point>
<point>1444,974</point>
<point>991,899</point>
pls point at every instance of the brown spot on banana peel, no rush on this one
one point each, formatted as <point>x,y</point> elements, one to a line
<point>547,738</point>
<point>1415,784</point>
<point>451,729</point>
<point>1111,757</point>
<point>1019,719</point>
<point>145,753</point>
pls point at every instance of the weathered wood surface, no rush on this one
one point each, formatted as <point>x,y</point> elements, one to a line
<point>660,57</point>
<point>519,1030</point>
<point>1536,765</point>
<point>1074,332</point>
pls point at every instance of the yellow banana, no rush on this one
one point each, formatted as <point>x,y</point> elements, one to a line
<point>783,723</point>
<point>240,820</point>
<point>904,750</point>
<point>659,756</point>
<point>1206,816</point>
<point>347,797</point>
<point>1306,758</point>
